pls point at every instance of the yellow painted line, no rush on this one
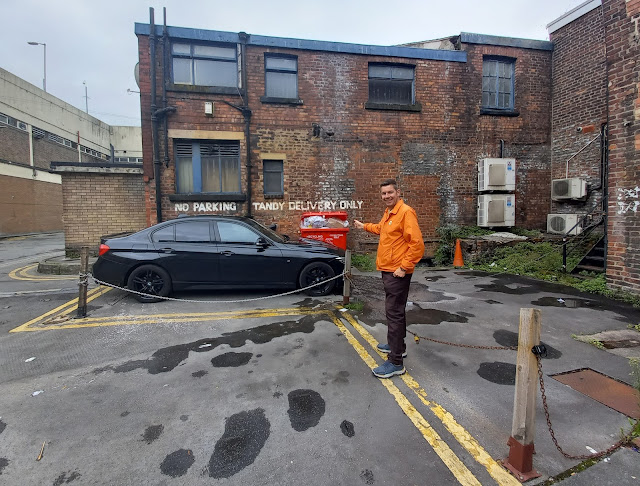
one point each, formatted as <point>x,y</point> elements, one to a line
<point>465,439</point>
<point>22,273</point>
<point>448,457</point>
<point>63,309</point>
<point>152,319</point>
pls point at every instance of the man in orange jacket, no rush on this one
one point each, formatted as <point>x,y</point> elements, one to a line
<point>400,248</point>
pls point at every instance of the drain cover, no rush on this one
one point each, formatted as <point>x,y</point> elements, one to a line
<point>612,393</point>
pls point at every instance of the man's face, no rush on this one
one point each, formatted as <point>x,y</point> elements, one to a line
<point>390,195</point>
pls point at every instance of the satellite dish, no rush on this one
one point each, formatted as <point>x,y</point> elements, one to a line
<point>136,73</point>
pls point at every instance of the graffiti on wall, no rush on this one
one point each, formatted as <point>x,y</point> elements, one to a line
<point>214,207</point>
<point>628,200</point>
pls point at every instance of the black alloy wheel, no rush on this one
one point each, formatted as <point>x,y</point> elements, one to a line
<point>151,280</point>
<point>317,272</point>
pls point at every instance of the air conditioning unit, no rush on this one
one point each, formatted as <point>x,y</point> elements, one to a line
<point>573,188</point>
<point>496,210</point>
<point>497,175</point>
<point>561,223</point>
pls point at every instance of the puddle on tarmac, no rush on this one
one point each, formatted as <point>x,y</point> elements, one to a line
<point>63,478</point>
<point>498,372</point>
<point>231,360</point>
<point>510,338</point>
<point>347,428</point>
<point>341,377</point>
<point>124,414</point>
<point>491,301</point>
<point>434,278</point>
<point>306,408</point>
<point>473,274</point>
<point>503,289</point>
<point>4,426</point>
<point>569,302</point>
<point>199,374</point>
<point>622,343</point>
<point>177,463</point>
<point>245,434</point>
<point>367,477</point>
<point>166,359</point>
<point>152,433</point>
<point>4,462</point>
<point>184,418</point>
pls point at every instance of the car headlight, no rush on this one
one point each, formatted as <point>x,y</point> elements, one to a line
<point>340,259</point>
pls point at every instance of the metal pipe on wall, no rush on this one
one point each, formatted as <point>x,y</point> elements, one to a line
<point>165,46</point>
<point>246,112</point>
<point>154,118</point>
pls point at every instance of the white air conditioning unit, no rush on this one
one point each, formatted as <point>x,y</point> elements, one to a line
<point>561,223</point>
<point>497,175</point>
<point>573,188</point>
<point>496,210</point>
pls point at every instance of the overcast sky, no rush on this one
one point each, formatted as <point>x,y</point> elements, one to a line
<point>94,40</point>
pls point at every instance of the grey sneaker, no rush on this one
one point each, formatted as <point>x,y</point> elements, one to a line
<point>384,348</point>
<point>388,369</point>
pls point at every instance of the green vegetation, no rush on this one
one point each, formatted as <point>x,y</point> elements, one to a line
<point>448,235</point>
<point>634,363</point>
<point>355,306</point>
<point>364,261</point>
<point>634,327</point>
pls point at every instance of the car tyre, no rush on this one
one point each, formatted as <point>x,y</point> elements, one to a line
<point>149,279</point>
<point>313,273</point>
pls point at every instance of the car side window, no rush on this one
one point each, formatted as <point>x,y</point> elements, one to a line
<point>236,233</point>
<point>193,232</point>
<point>164,234</point>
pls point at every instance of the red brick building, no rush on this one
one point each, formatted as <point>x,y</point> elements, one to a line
<point>596,115</point>
<point>272,127</point>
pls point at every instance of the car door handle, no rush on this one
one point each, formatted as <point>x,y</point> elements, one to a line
<point>166,250</point>
<point>227,253</point>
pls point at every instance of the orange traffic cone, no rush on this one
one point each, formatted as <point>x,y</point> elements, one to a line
<point>457,256</point>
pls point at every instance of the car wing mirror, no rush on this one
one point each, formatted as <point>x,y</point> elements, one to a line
<point>286,237</point>
<point>262,243</point>
<point>273,226</point>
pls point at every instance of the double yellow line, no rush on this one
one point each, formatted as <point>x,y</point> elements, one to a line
<point>24,273</point>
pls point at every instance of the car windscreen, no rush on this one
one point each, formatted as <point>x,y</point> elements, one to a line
<point>265,231</point>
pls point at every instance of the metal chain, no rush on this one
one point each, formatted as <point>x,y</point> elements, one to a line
<point>595,455</point>
<point>83,279</point>
<point>215,301</point>
<point>417,338</point>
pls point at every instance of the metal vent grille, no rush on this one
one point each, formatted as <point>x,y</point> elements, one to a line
<point>184,150</point>
<point>558,223</point>
<point>38,132</point>
<point>561,187</point>
<point>220,149</point>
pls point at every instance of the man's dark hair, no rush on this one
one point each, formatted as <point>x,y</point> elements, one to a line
<point>389,182</point>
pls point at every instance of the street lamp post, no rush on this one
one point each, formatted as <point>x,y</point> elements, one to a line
<point>44,80</point>
<point>86,97</point>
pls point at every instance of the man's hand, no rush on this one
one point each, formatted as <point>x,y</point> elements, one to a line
<point>358,224</point>
<point>400,272</point>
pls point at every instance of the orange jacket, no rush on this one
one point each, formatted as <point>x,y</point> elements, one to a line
<point>401,243</point>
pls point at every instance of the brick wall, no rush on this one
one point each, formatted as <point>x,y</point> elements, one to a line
<point>29,206</point>
<point>433,153</point>
<point>622,30</point>
<point>97,204</point>
<point>579,103</point>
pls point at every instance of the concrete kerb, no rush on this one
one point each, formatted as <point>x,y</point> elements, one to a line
<point>63,266</point>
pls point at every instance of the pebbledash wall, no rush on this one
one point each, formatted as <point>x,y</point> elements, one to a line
<point>596,85</point>
<point>336,144</point>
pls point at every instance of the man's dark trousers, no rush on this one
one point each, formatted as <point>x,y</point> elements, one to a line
<point>396,293</point>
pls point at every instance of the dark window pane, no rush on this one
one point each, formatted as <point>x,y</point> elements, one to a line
<point>282,63</point>
<point>193,232</point>
<point>497,84</point>
<point>282,85</point>
<point>236,233</point>
<point>391,91</point>
<point>182,71</point>
<point>273,176</point>
<point>215,73</point>
<point>164,234</point>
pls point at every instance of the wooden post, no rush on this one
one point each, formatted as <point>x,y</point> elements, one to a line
<point>520,461</point>
<point>346,288</point>
<point>83,282</point>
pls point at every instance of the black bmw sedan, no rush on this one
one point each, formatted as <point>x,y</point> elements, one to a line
<point>214,252</point>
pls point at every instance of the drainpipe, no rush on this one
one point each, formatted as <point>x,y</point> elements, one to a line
<point>154,117</point>
<point>246,113</point>
<point>165,47</point>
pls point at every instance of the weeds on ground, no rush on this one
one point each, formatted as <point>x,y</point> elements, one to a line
<point>634,363</point>
<point>598,285</point>
<point>448,235</point>
<point>363,262</point>
<point>355,306</point>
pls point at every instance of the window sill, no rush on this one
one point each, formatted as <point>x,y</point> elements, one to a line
<point>496,112</point>
<point>369,105</point>
<point>274,196</point>
<point>188,88</point>
<point>207,197</point>
<point>281,101</point>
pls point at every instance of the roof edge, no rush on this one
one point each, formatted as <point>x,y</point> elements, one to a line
<point>573,14</point>
<point>495,40</point>
<point>303,44</point>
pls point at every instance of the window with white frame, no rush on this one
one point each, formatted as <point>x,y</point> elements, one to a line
<point>498,81</point>
<point>281,76</point>
<point>205,65</point>
<point>391,84</point>
<point>273,177</point>
<point>207,167</point>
